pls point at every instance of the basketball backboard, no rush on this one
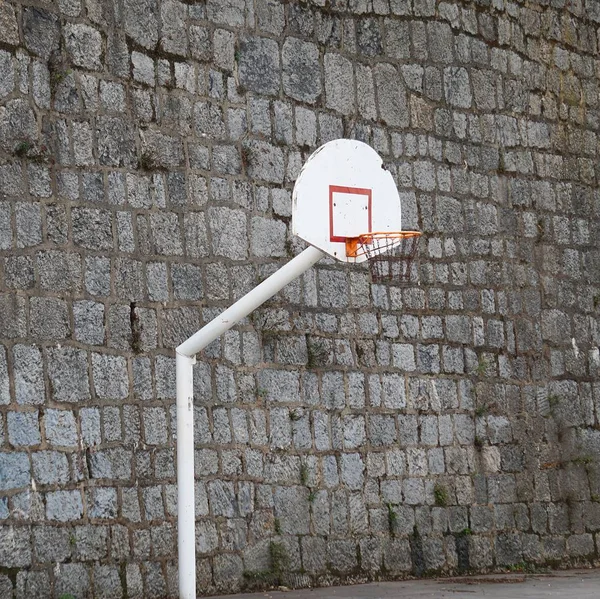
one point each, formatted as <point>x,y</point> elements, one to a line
<point>343,191</point>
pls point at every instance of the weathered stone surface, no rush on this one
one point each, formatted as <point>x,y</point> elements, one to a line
<point>141,22</point>
<point>64,506</point>
<point>229,233</point>
<point>339,83</point>
<point>457,87</point>
<point>84,45</point>
<point>15,471</point>
<point>111,380</point>
<point>9,30</point>
<point>301,70</point>
<point>7,75</point>
<point>392,102</point>
<point>116,144</point>
<point>267,237</point>
<point>17,124</point>
<point>259,65</point>
<point>23,429</point>
<point>15,547</point>
<point>265,162</point>
<point>345,428</point>
<point>61,428</point>
<point>41,31</point>
<point>292,509</point>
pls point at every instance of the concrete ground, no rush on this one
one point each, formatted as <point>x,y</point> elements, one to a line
<point>572,584</point>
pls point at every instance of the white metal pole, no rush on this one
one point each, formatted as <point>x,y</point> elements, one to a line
<point>260,294</point>
<point>186,521</point>
<point>186,515</point>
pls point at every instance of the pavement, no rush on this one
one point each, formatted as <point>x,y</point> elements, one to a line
<point>571,584</point>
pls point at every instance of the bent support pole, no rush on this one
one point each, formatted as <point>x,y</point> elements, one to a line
<point>186,524</point>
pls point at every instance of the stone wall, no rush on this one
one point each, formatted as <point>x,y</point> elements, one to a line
<point>345,431</point>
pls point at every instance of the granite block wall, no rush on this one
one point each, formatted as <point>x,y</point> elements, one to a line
<point>345,431</point>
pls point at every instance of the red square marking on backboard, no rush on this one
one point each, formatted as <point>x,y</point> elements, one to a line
<point>348,190</point>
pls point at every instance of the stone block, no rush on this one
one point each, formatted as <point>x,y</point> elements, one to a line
<point>32,584</point>
<point>41,31</point>
<point>12,316</point>
<point>29,224</point>
<point>314,554</point>
<point>259,65</point>
<point>481,553</point>
<point>339,84</point>
<point>97,275</point>
<point>166,234</point>
<point>68,373</point>
<point>23,429</point>
<point>292,509</point>
<point>111,380</point>
<point>111,463</point>
<point>279,385</point>
<point>301,70</point>
<point>333,289</point>
<point>155,426</point>
<point>434,553</point>
<point>51,544</point>
<point>141,22</point>
<point>60,428</point>
<point>152,503</point>
<point>50,467</point>
<point>556,326</point>
<point>6,234</point>
<point>18,272</point>
<point>428,358</point>
<point>90,426</point>
<point>265,162</point>
<point>15,471</point>
<point>228,571</point>
<point>173,16</point>
<point>354,432</point>
<point>208,120</point>
<point>352,470</point>
<point>222,498</point>
<point>84,45</point>
<point>397,556</point>
<point>508,548</point>
<point>342,555</point>
<point>230,13</point>
<point>89,322</point>
<point>229,232</point>
<point>107,582</point>
<point>15,546</point>
<point>382,430</point>
<point>116,142</point>
<point>391,94</point>
<point>414,491</point>
<point>268,237</point>
<point>187,282</point>
<point>92,228</point>
<point>64,506</point>
<point>17,122</point>
<point>281,429</point>
<point>4,380</point>
<point>72,579</point>
<point>49,318</point>
<point>464,429</point>
<point>9,30</point>
<point>580,545</point>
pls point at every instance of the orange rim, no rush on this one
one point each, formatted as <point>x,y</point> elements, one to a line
<point>354,244</point>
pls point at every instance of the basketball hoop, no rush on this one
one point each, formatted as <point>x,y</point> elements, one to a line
<point>390,254</point>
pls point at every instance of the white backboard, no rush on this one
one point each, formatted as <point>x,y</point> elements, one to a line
<point>343,191</point>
